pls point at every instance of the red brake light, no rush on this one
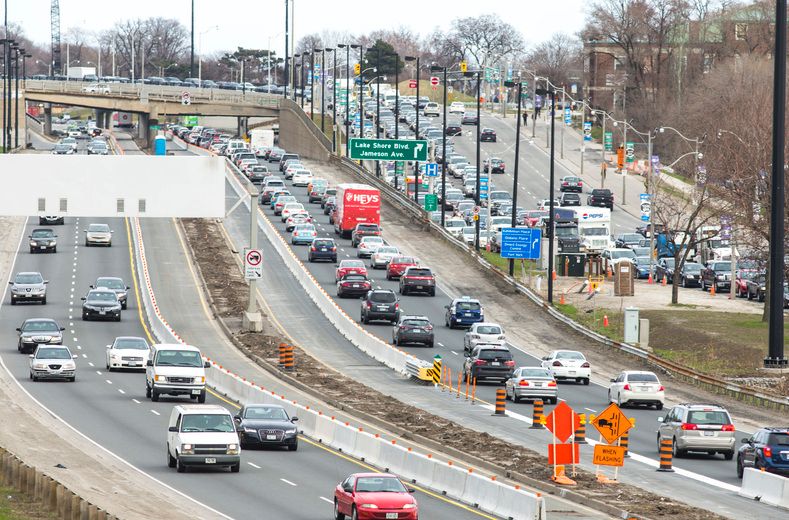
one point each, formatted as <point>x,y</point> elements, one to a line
<point>313,248</point>
<point>728,428</point>
<point>551,383</point>
<point>369,305</point>
<point>661,389</point>
<point>523,383</point>
<point>509,363</point>
<point>626,387</point>
<point>586,365</point>
<point>689,426</point>
<point>480,362</point>
<point>767,450</point>
<point>557,363</point>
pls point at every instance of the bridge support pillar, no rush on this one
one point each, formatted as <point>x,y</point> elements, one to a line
<point>243,123</point>
<point>47,119</point>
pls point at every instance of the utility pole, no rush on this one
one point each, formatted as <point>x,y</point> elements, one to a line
<point>192,54</point>
<point>287,26</point>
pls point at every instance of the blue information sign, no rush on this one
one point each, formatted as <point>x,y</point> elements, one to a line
<point>521,243</point>
<point>568,116</point>
<point>431,170</point>
<point>483,188</point>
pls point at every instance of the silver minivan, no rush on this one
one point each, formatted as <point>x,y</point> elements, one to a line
<point>698,427</point>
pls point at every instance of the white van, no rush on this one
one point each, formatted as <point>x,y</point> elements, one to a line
<point>175,370</point>
<point>202,435</point>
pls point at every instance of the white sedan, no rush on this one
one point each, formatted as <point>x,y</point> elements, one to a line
<point>457,107</point>
<point>382,256</point>
<point>483,333</point>
<point>127,352</point>
<point>302,178</point>
<point>368,245</point>
<point>289,208</point>
<point>568,364</point>
<point>633,387</point>
<point>53,362</point>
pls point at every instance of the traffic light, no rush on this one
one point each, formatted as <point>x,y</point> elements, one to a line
<point>357,68</point>
<point>620,157</point>
<point>463,67</point>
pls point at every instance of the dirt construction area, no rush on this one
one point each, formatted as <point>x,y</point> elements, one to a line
<point>223,277</point>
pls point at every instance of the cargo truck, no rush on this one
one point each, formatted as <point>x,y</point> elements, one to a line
<point>356,204</point>
<point>261,138</point>
<point>594,228</point>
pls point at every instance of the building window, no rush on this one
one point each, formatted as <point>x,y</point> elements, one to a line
<point>619,63</point>
<point>708,59</point>
<point>740,31</point>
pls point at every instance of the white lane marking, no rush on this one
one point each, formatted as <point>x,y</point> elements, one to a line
<point>288,482</point>
<point>253,465</point>
<point>84,356</point>
<point>589,409</point>
<point>327,500</point>
<point>108,381</point>
<point>71,324</point>
<point>121,390</point>
<point>73,282</point>
<point>72,331</point>
<point>73,276</point>
<point>440,344</point>
<point>98,372</point>
<point>70,316</point>
<point>136,401</point>
<point>155,412</point>
<point>454,352</point>
<point>91,364</point>
<point>79,347</point>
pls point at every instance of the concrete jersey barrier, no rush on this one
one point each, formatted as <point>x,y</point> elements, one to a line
<point>765,487</point>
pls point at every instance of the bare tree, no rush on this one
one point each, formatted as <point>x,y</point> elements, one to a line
<point>556,57</point>
<point>485,39</point>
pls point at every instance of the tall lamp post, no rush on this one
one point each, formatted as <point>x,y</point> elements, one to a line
<point>514,222</point>
<point>334,101</point>
<point>551,216</point>
<point>303,85</point>
<point>296,76</point>
<point>348,84</point>
<point>311,77</point>
<point>18,52</point>
<point>416,131</point>
<point>397,107</point>
<point>378,106</point>
<point>323,85</point>
<point>477,194</point>
<point>436,68</point>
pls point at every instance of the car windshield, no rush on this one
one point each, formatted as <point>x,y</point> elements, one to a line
<point>780,439</point>
<point>419,272</point>
<point>323,243</point>
<point>642,378</point>
<point>708,417</point>
<point>721,266</point>
<point>30,278</point>
<point>386,250</point>
<point>352,263</point>
<point>102,296</point>
<point>42,233</point>
<point>304,227</point>
<point>570,355</point>
<point>642,260</point>
<point>99,228</point>
<point>354,278</point>
<point>692,267</point>
<point>669,262</point>
<point>62,147</point>
<point>130,344</point>
<point>500,195</point>
<point>207,423</point>
<point>468,306</point>
<point>372,241</point>
<point>488,329</point>
<point>367,227</point>
<point>416,323</point>
<point>403,260</point>
<point>622,254</point>
<point>53,353</point>
<point>273,413</point>
<point>383,297</point>
<point>535,372</point>
<point>178,358</point>
<point>111,283</point>
<point>40,326</point>
<point>495,354</point>
<point>379,485</point>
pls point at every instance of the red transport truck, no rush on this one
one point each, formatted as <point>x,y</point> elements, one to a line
<point>356,204</point>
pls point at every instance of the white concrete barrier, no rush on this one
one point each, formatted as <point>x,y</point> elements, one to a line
<point>765,487</point>
<point>368,446</point>
<point>324,429</point>
<point>345,439</point>
<point>394,459</point>
<point>450,480</point>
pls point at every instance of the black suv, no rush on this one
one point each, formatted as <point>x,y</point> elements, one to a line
<point>323,249</point>
<point>601,198</point>
<point>489,362</point>
<point>364,230</point>
<point>418,279</point>
<point>380,304</point>
<point>487,135</point>
<point>413,329</point>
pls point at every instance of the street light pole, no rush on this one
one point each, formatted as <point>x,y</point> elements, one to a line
<point>312,86</point>
<point>477,198</point>
<point>551,217</point>
<point>334,102</point>
<point>360,108</point>
<point>192,55</point>
<point>514,222</point>
<point>775,351</point>
<point>16,96</point>
<point>436,68</point>
<point>416,132</point>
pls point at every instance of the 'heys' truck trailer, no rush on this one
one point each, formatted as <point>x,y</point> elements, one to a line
<point>356,204</point>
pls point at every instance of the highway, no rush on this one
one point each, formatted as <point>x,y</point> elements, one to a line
<point>699,468</point>
<point>111,409</point>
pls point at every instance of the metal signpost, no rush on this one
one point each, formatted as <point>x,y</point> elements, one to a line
<point>388,150</point>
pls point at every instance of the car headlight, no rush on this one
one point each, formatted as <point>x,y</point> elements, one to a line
<point>409,506</point>
<point>70,366</point>
<point>369,506</point>
<point>249,430</point>
<point>33,243</point>
<point>199,380</point>
<point>39,365</point>
<point>161,379</point>
<point>232,449</point>
<point>187,449</point>
<point>114,355</point>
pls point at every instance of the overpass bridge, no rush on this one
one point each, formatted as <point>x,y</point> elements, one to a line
<point>150,102</point>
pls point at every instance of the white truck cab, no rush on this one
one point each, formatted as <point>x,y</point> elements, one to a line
<point>594,228</point>
<point>175,369</point>
<point>202,435</point>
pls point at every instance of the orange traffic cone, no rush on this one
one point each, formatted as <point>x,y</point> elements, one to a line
<point>664,281</point>
<point>712,290</point>
<point>553,274</point>
<point>561,298</point>
<point>605,320</point>
<point>650,281</point>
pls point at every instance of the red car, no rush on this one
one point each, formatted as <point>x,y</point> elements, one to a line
<point>349,267</point>
<point>373,496</point>
<point>398,265</point>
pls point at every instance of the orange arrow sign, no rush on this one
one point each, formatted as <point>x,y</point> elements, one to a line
<point>612,423</point>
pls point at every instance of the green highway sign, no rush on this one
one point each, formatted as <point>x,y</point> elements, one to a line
<point>431,202</point>
<point>388,149</point>
<point>608,139</point>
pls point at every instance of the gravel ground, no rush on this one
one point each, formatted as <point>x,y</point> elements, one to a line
<point>223,278</point>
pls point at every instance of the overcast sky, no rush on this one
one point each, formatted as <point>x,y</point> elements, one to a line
<point>250,23</point>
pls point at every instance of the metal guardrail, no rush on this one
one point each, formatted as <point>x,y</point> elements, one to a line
<point>143,91</point>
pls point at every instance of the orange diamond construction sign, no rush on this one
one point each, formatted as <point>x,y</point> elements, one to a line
<point>612,423</point>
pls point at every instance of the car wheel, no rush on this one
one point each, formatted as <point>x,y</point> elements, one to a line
<point>124,305</point>
<point>170,458</point>
<point>354,514</point>
<point>201,397</point>
<point>147,391</point>
<point>337,514</point>
<point>586,381</point>
<point>728,455</point>
<point>430,345</point>
<point>610,400</point>
<point>659,406</point>
<point>235,468</point>
<point>749,296</point>
<point>675,451</point>
<point>363,319</point>
<point>293,447</point>
<point>154,396</point>
<point>388,278</point>
<point>740,469</point>
<point>32,251</point>
<point>554,400</point>
<point>44,301</point>
<point>118,318</point>
<point>32,376</point>
<point>55,249</point>
<point>432,292</point>
<point>72,379</point>
<point>87,244</point>
<point>684,283</point>
<point>13,301</point>
<point>179,466</point>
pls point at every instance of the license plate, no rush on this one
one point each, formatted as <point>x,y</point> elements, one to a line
<point>271,437</point>
<point>642,389</point>
<point>210,460</point>
<point>324,249</point>
<point>572,372</point>
<point>496,363</point>
<point>537,384</point>
<point>134,364</point>
<point>356,285</point>
<point>391,515</point>
<point>709,434</point>
<point>196,392</point>
<point>43,247</point>
<point>419,287</point>
<point>102,312</point>
<point>28,295</point>
<point>418,331</point>
<point>382,308</point>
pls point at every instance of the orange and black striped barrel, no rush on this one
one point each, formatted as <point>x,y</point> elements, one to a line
<point>580,432</point>
<point>501,398</point>
<point>624,442</point>
<point>665,455</point>
<point>286,356</point>
<point>537,412</point>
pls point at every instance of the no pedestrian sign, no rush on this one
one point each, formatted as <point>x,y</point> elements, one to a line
<point>253,264</point>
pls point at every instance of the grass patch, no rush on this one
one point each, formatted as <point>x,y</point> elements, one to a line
<point>497,260</point>
<point>18,506</point>
<point>594,319</point>
<point>680,178</point>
